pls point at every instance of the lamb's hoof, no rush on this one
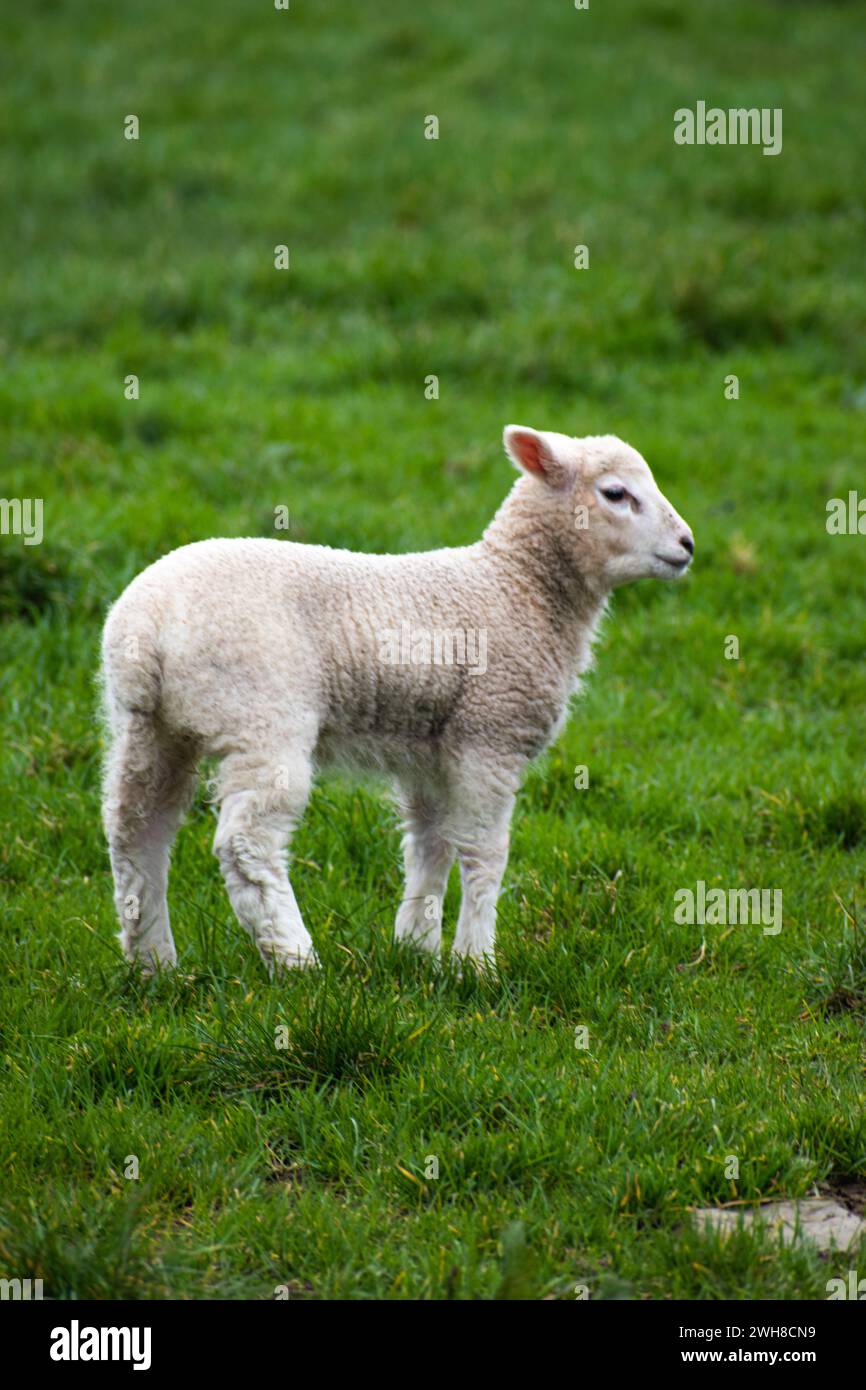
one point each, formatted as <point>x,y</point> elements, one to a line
<point>149,968</point>
<point>467,963</point>
<point>151,961</point>
<point>422,947</point>
<point>280,962</point>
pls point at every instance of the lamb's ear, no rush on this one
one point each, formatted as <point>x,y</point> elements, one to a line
<point>537,454</point>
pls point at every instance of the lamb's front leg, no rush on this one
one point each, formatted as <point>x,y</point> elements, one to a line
<point>427,859</point>
<point>478,826</point>
<point>482,866</point>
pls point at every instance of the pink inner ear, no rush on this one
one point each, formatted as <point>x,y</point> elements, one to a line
<point>530,451</point>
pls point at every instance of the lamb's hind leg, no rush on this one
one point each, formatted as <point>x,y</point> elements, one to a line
<point>149,783</point>
<point>259,809</point>
<point>427,859</point>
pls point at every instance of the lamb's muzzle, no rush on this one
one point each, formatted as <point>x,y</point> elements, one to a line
<point>447,670</point>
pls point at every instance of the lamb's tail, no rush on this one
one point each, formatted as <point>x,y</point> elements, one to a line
<point>131,661</point>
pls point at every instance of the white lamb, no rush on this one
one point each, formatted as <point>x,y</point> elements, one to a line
<point>447,670</point>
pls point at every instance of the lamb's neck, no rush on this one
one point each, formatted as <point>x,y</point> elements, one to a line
<point>534,561</point>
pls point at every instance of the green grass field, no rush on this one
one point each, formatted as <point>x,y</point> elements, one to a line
<point>308,1167</point>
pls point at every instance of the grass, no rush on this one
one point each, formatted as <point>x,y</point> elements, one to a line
<point>308,1166</point>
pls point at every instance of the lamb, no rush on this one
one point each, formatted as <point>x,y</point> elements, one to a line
<point>448,671</point>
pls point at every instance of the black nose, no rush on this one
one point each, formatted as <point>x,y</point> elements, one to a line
<point>687,544</point>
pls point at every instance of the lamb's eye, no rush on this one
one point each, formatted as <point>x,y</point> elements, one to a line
<point>613,494</point>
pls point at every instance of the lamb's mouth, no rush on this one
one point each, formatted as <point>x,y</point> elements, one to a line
<point>678,566</point>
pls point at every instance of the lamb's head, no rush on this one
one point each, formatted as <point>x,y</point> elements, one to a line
<point>600,499</point>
